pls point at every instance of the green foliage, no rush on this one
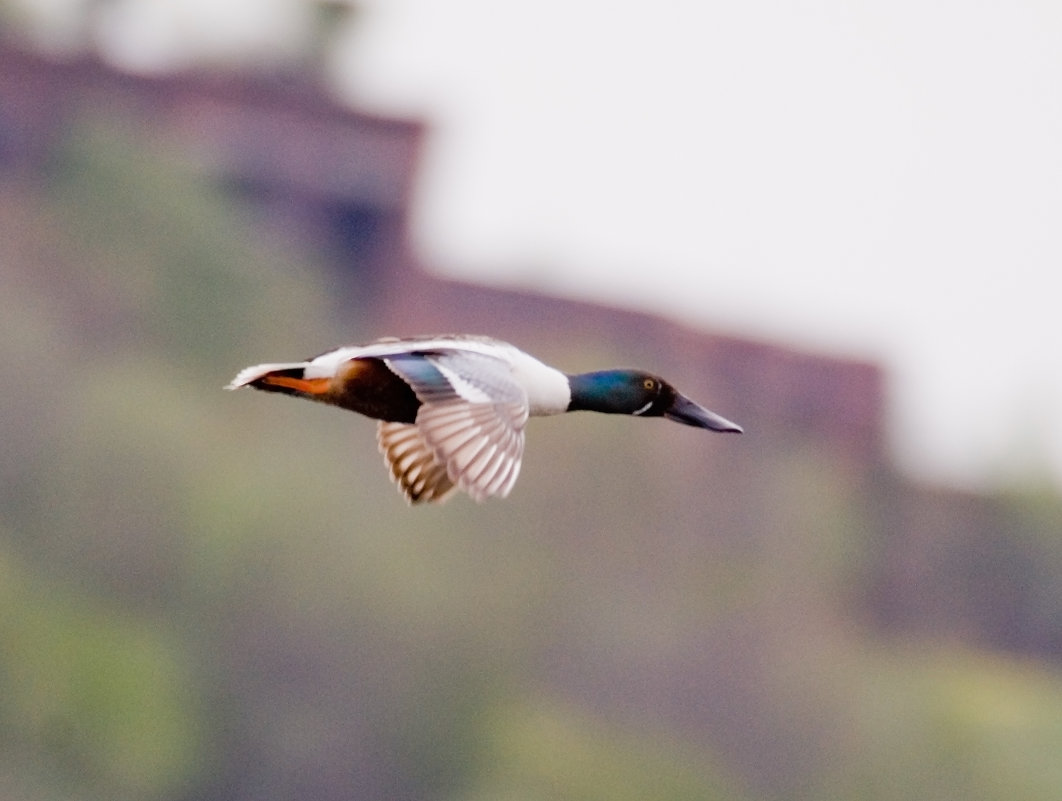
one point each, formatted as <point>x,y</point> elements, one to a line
<point>167,262</point>
<point>132,294</point>
<point>102,697</point>
<point>951,723</point>
<point>539,749</point>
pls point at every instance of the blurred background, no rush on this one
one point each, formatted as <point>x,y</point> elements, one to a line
<point>833,223</point>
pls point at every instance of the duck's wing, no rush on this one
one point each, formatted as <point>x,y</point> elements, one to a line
<point>477,448</point>
<point>480,444</point>
<point>469,430</point>
<point>412,463</point>
<point>327,363</point>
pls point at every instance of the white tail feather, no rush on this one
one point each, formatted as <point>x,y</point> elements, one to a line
<point>251,374</point>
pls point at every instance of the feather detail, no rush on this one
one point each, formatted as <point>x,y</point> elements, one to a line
<point>249,375</point>
<point>480,444</point>
<point>474,447</point>
<point>411,463</point>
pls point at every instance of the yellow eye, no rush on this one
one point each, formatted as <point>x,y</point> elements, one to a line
<point>649,383</point>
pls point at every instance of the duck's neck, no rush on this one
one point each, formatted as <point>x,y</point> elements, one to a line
<point>604,391</point>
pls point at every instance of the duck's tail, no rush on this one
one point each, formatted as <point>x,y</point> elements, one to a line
<point>288,377</point>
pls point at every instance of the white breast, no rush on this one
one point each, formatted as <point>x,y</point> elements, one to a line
<point>547,388</point>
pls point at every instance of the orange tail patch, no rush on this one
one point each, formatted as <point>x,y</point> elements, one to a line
<point>307,386</point>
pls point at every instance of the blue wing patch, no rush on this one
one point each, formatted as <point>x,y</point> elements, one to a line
<point>441,376</point>
<point>425,379</point>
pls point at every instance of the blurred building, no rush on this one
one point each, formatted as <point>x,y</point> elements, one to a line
<point>344,180</point>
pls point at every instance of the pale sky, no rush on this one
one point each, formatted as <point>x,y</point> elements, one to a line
<point>877,178</point>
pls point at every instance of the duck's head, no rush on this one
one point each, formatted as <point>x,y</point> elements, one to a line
<point>643,395</point>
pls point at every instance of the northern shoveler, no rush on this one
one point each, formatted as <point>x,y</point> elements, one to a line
<point>452,409</point>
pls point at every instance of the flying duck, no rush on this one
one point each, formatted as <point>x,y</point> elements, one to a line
<point>452,409</point>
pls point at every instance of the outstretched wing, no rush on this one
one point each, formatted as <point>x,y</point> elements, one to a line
<point>469,431</point>
<point>412,463</point>
<point>480,444</point>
